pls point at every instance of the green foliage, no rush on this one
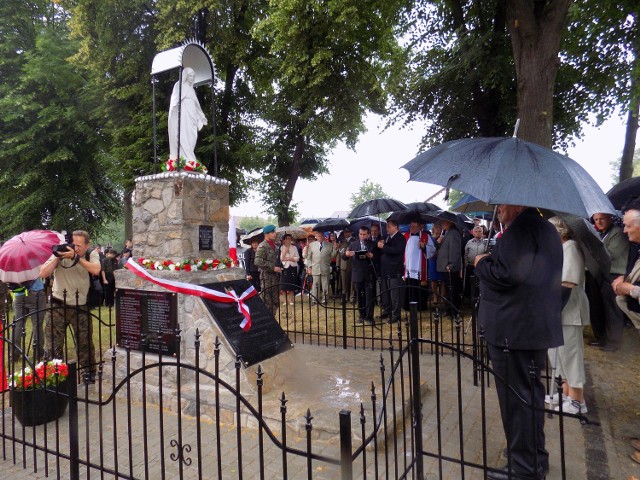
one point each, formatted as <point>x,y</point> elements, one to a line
<point>51,175</point>
<point>328,64</point>
<point>615,166</point>
<point>367,191</point>
<point>250,223</point>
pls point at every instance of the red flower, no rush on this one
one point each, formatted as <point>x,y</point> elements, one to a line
<point>215,263</point>
<point>187,267</point>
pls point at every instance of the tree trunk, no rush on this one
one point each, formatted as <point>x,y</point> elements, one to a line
<point>536,29</point>
<point>283,210</point>
<point>626,162</point>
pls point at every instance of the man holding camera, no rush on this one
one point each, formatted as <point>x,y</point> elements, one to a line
<point>71,266</point>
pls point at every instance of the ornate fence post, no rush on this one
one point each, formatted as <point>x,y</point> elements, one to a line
<point>415,381</point>
<point>346,466</point>
<point>74,441</point>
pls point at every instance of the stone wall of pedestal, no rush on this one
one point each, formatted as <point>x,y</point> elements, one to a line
<point>169,209</point>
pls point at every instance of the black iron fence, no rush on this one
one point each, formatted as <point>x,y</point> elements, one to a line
<point>431,411</point>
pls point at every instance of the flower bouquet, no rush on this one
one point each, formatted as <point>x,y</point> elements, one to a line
<point>202,264</point>
<point>173,165</point>
<point>39,395</point>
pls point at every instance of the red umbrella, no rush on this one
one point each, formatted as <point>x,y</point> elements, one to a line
<point>23,255</point>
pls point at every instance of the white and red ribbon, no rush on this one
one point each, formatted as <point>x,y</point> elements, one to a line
<point>200,291</point>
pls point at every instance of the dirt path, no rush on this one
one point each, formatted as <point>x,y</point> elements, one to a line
<point>614,397</point>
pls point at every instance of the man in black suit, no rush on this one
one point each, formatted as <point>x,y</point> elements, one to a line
<point>520,315</point>
<point>391,271</point>
<point>363,275</point>
<point>449,263</point>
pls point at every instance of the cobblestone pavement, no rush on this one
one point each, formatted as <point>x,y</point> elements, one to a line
<point>342,379</point>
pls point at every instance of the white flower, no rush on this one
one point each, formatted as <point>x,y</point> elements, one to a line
<point>172,267</point>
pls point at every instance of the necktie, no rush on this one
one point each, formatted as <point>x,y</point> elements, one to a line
<point>362,246</point>
<point>321,245</point>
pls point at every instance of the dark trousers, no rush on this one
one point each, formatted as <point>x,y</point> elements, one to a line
<point>365,291</point>
<point>607,320</point>
<point>392,294</point>
<point>454,292</point>
<point>523,427</point>
<point>415,293</point>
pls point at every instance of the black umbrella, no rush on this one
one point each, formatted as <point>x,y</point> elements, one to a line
<point>331,224</point>
<point>596,258</point>
<point>624,192</point>
<point>460,222</point>
<point>377,206</point>
<point>255,234</point>
<point>511,171</point>
<point>422,207</point>
<point>367,222</point>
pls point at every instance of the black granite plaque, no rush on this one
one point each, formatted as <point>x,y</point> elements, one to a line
<point>143,312</point>
<point>205,237</point>
<point>265,338</point>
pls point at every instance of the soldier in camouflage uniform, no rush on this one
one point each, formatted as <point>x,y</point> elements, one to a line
<point>265,260</point>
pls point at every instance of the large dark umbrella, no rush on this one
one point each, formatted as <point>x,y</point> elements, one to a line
<point>624,192</point>
<point>377,206</point>
<point>596,258</point>
<point>413,212</point>
<point>459,221</point>
<point>331,224</point>
<point>367,222</point>
<point>511,171</point>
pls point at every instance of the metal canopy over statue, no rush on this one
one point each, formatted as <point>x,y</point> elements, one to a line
<point>186,117</point>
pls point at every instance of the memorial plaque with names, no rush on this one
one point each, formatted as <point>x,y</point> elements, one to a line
<point>141,312</point>
<point>265,338</point>
<point>205,237</point>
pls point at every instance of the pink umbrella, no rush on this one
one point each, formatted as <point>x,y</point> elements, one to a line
<point>22,256</point>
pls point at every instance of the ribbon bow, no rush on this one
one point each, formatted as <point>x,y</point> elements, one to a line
<point>200,291</point>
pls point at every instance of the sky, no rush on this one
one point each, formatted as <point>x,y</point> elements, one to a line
<point>380,153</point>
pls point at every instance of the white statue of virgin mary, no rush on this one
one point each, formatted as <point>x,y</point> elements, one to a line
<point>192,118</point>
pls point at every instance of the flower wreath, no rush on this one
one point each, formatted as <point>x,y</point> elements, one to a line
<point>173,165</point>
<point>187,265</point>
<point>49,373</point>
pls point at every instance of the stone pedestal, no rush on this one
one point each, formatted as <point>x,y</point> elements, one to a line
<point>169,209</point>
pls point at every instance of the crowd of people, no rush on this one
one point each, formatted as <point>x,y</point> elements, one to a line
<point>368,267</point>
<point>528,277</point>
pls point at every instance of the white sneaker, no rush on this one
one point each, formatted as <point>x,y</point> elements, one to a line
<point>573,406</point>
<point>555,399</point>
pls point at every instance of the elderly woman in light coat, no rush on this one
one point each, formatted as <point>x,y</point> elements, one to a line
<point>568,360</point>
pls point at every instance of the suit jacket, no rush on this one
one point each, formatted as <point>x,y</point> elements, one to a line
<point>450,252</point>
<point>616,243</point>
<point>520,286</point>
<point>627,303</point>
<point>361,269</point>
<point>392,256</point>
<point>320,261</point>
<point>344,263</point>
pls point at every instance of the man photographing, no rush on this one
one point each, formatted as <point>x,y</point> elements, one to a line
<point>70,286</point>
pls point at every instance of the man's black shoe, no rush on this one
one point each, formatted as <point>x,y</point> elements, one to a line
<point>361,320</point>
<point>596,343</point>
<point>610,347</point>
<point>384,315</point>
<point>503,474</point>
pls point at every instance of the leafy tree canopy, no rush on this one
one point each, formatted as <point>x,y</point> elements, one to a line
<point>367,191</point>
